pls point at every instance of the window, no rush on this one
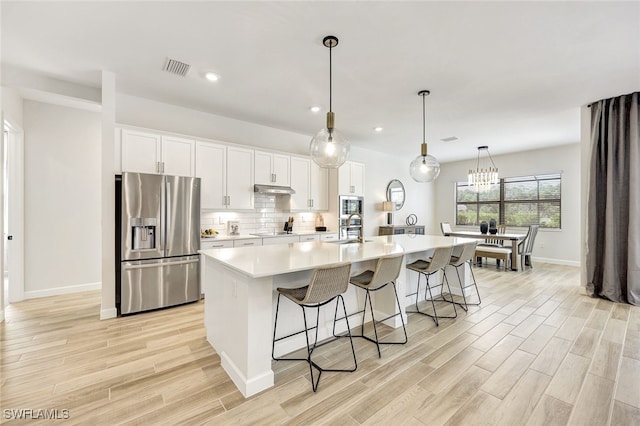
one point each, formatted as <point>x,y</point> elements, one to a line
<point>516,201</point>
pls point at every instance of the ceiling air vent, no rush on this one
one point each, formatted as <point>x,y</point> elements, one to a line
<point>449,139</point>
<point>176,67</point>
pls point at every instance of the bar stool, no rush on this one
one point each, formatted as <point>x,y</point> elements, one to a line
<point>327,284</point>
<point>386,272</point>
<point>439,261</point>
<point>466,256</point>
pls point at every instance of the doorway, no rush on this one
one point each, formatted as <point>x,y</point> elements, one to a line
<point>12,213</point>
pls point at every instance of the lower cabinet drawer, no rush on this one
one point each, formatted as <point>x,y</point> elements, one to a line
<point>304,238</point>
<point>248,242</point>
<point>216,244</point>
<point>328,237</point>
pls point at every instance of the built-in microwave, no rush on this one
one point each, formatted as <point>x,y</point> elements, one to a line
<point>350,204</point>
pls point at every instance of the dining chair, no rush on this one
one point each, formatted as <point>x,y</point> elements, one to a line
<point>445,228</point>
<point>326,285</point>
<point>525,247</point>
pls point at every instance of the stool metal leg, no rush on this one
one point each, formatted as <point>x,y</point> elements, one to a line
<point>435,316</point>
<point>375,340</point>
<point>311,347</point>
<point>465,305</point>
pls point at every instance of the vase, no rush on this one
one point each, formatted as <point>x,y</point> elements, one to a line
<point>484,226</point>
<point>492,227</point>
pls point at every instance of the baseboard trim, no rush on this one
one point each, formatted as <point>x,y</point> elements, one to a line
<point>108,313</point>
<point>35,294</point>
<point>557,261</point>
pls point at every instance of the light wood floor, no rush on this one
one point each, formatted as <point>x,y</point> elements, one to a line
<point>536,352</point>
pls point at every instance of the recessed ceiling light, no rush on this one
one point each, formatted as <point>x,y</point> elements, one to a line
<point>211,76</point>
<point>449,139</point>
<point>314,109</point>
<point>377,129</point>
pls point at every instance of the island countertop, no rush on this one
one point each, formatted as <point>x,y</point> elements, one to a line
<point>263,261</point>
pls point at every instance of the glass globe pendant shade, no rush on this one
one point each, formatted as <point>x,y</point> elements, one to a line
<point>424,168</point>
<point>329,149</point>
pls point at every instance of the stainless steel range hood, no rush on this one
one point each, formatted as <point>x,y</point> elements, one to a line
<point>272,189</point>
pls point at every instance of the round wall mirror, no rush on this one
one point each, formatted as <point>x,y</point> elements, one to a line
<point>395,193</point>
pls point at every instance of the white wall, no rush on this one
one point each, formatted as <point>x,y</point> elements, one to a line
<point>12,106</point>
<point>156,115</point>
<point>382,168</point>
<point>562,246</point>
<point>62,199</point>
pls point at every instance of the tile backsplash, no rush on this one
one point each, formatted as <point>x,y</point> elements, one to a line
<point>270,214</point>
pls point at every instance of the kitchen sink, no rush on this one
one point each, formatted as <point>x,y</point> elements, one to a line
<point>272,234</point>
<point>348,242</point>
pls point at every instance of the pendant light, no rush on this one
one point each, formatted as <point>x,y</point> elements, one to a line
<point>329,149</point>
<point>425,168</point>
<point>483,178</point>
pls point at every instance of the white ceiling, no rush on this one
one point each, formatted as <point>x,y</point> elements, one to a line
<point>511,75</point>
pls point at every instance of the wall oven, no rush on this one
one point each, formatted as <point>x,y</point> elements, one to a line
<point>350,204</point>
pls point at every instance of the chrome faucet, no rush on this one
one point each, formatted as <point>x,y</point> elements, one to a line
<point>360,239</point>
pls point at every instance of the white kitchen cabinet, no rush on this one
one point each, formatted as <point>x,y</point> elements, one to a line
<point>151,153</point>
<point>310,237</point>
<point>329,237</point>
<point>204,245</point>
<point>300,177</point>
<point>178,156</point>
<point>284,239</point>
<point>311,183</point>
<point>319,188</point>
<point>248,242</point>
<point>351,179</point>
<point>272,169</point>
<point>211,168</point>
<point>141,152</point>
<point>239,178</point>
<point>226,174</point>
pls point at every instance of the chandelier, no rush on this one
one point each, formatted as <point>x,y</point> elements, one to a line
<point>424,168</point>
<point>329,149</point>
<point>483,178</point>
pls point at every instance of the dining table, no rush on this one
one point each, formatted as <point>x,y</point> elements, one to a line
<point>514,238</point>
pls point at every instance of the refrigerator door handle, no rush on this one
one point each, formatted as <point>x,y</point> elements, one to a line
<point>162,244</point>
<point>158,265</point>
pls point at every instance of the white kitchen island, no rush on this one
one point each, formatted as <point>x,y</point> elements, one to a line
<point>240,292</point>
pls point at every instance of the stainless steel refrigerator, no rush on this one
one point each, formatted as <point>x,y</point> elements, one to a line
<point>157,241</point>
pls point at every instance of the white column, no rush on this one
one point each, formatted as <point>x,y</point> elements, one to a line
<point>108,306</point>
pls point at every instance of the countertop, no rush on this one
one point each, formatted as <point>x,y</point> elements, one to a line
<point>261,261</point>
<point>223,237</point>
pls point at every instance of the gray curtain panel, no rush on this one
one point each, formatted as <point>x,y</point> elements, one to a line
<point>613,257</point>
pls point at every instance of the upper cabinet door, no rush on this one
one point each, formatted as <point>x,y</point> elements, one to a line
<point>318,186</point>
<point>281,170</point>
<point>211,168</point>
<point>141,152</point>
<point>357,178</point>
<point>272,169</point>
<point>178,156</point>
<point>240,178</point>
<point>300,178</point>
<point>263,175</point>
<point>351,179</point>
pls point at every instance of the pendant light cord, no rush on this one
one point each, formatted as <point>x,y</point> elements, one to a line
<point>330,79</point>
<point>424,120</point>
